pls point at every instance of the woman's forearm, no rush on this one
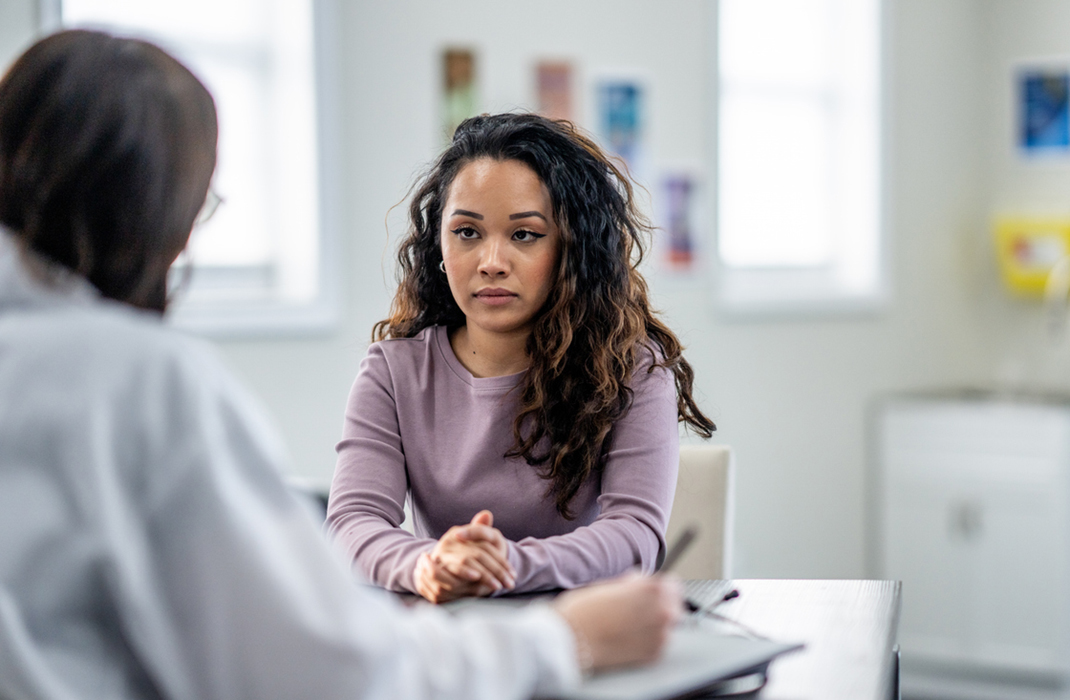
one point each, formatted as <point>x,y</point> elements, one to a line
<point>638,482</point>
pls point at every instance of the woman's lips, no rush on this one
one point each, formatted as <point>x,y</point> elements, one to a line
<point>495,297</point>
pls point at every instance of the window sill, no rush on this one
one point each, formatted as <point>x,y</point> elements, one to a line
<point>257,320</point>
<point>769,294</point>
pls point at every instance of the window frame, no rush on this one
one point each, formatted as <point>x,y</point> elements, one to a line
<point>238,319</point>
<point>753,293</point>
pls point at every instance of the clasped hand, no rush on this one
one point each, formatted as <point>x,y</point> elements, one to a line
<point>468,561</point>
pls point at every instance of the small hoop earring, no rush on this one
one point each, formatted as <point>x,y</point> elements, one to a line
<point>442,267</point>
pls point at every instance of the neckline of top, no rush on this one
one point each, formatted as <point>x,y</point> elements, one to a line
<point>442,341</point>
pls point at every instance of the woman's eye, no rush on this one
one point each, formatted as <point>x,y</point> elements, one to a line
<point>527,236</point>
<point>466,232</point>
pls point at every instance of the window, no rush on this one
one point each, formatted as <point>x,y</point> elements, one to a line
<point>260,264</point>
<point>798,155</point>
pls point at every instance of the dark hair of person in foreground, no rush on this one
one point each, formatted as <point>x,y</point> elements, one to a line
<point>588,339</point>
<point>113,194</point>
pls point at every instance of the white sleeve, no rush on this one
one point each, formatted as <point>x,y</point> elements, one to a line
<point>236,594</point>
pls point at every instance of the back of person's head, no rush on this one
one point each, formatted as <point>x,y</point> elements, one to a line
<point>107,148</point>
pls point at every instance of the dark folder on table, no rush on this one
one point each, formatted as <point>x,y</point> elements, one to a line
<point>694,659</point>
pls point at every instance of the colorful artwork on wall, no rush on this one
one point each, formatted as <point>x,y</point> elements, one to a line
<point>553,81</point>
<point>1043,97</point>
<point>678,192</point>
<point>620,121</point>
<point>459,97</point>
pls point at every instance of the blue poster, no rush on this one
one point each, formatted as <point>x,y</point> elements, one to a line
<point>620,119</point>
<point>1044,110</point>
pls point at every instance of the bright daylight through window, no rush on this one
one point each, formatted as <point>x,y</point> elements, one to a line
<point>798,167</point>
<point>258,263</point>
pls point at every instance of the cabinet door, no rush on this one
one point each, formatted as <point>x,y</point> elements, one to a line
<point>975,521</point>
<point>1019,575</point>
<point>923,550</point>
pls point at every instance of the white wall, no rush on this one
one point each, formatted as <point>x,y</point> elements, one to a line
<point>792,396</point>
<point>789,395</point>
<point>18,22</point>
<point>1026,354</point>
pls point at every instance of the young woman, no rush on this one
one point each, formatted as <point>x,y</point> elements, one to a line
<point>149,548</point>
<point>521,382</point>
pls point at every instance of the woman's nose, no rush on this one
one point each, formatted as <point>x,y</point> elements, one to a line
<point>494,261</point>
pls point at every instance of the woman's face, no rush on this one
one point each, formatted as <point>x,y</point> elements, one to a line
<point>500,244</point>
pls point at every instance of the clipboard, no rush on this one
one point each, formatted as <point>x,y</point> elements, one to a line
<point>695,659</point>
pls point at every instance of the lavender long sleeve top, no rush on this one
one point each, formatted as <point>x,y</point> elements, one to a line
<point>418,424</point>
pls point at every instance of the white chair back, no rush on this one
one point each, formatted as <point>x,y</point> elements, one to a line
<point>704,498</point>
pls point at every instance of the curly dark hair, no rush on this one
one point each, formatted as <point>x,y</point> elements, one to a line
<point>587,341</point>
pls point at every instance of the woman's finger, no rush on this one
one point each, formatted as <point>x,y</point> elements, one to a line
<point>425,582</point>
<point>476,589</point>
<point>500,570</point>
<point>499,554</point>
<point>497,561</point>
<point>476,562</point>
<point>461,588</point>
<point>488,538</point>
<point>441,573</point>
<point>483,517</point>
<point>482,590</point>
<point>461,568</point>
<point>471,565</point>
<point>491,574</point>
<point>452,534</point>
<point>479,533</point>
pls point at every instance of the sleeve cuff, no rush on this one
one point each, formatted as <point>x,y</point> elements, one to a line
<point>555,647</point>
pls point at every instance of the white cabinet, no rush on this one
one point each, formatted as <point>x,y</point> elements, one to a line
<point>972,514</point>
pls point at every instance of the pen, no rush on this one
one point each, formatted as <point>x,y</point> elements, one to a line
<point>693,607</point>
<point>683,541</point>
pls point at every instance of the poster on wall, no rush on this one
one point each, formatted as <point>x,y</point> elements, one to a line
<point>678,190</point>
<point>1042,92</point>
<point>553,84</point>
<point>620,121</point>
<point>459,98</point>
<point>678,198</point>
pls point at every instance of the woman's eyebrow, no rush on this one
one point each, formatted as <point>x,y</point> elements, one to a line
<point>465,212</point>
<point>525,215</point>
